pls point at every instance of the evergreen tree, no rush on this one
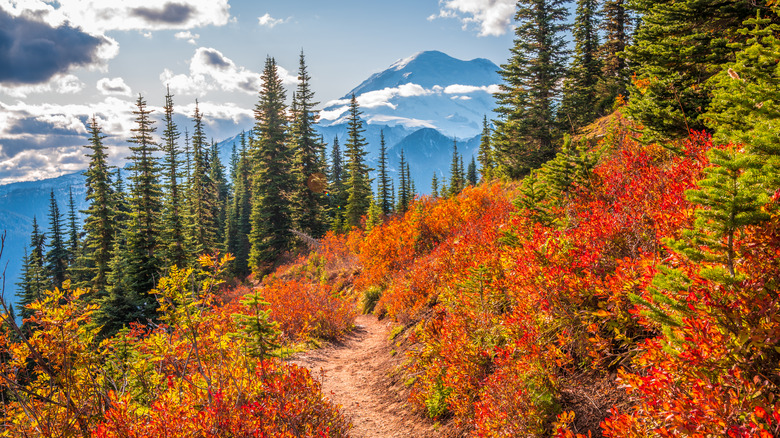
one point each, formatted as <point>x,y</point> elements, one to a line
<point>485,154</point>
<point>580,87</point>
<point>34,280</point>
<point>358,183</point>
<point>137,266</point>
<point>403,188</point>
<point>188,154</point>
<point>525,130</point>
<point>435,186</point>
<point>471,174</point>
<point>239,221</point>
<point>175,252</point>
<point>273,180</point>
<point>72,244</point>
<point>383,189</point>
<point>677,48</point>
<point>616,26</point>
<point>412,189</point>
<point>57,256</point>
<point>201,223</point>
<point>337,191</point>
<point>308,201</point>
<point>221,193</point>
<point>456,178</point>
<point>102,216</point>
<point>745,106</point>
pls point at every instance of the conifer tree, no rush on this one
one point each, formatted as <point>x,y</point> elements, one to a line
<point>188,155</point>
<point>139,261</point>
<point>72,244</point>
<point>525,131</point>
<point>336,191</point>
<point>307,198</point>
<point>240,225</point>
<point>578,106</point>
<point>471,173</point>
<point>456,178</point>
<point>412,189</point>
<point>403,188</point>
<point>57,256</point>
<point>745,106</point>
<point>485,154</point>
<point>358,184</point>
<point>616,26</point>
<point>102,216</point>
<point>383,189</point>
<point>221,192</point>
<point>273,180</point>
<point>175,252</point>
<point>435,186</point>
<point>34,279</point>
<point>678,47</point>
<point>201,223</point>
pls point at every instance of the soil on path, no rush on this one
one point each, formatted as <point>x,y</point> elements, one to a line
<point>358,375</point>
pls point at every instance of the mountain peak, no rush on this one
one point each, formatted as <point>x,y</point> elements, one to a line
<point>428,89</point>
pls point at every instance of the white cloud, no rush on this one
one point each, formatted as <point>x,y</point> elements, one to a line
<point>214,112</point>
<point>211,70</point>
<point>385,96</point>
<point>99,16</point>
<point>270,22</point>
<point>191,38</point>
<point>404,121</point>
<point>468,89</point>
<point>61,84</point>
<point>113,86</point>
<point>492,16</point>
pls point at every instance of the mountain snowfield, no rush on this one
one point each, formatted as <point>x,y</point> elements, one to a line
<point>421,104</point>
<point>428,90</point>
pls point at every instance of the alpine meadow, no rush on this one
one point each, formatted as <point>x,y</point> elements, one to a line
<point>580,242</point>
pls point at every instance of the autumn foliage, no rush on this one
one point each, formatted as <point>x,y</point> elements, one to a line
<point>588,293</point>
<point>623,290</point>
<point>206,370</point>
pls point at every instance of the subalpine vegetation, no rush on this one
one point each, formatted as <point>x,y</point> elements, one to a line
<point>614,273</point>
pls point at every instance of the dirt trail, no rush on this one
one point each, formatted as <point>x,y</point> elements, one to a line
<point>356,374</point>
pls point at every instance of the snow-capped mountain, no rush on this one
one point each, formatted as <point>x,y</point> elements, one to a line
<point>427,90</point>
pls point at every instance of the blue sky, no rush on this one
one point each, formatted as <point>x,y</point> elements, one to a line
<point>63,61</point>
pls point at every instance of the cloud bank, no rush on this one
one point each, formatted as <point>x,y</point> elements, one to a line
<point>212,70</point>
<point>492,16</point>
<point>33,52</point>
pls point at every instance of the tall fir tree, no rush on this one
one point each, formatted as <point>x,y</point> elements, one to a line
<point>175,251</point>
<point>616,26</point>
<point>273,180</point>
<point>201,223</point>
<point>240,225</point>
<point>101,217</point>
<point>434,186</point>
<point>456,177</point>
<point>485,154</point>
<point>129,299</point>
<point>73,243</point>
<point>34,279</point>
<point>336,190</point>
<point>677,48</point>
<point>221,193</point>
<point>580,88</point>
<point>358,183</point>
<point>308,200</point>
<point>525,131</point>
<point>403,187</point>
<point>57,256</point>
<point>471,173</point>
<point>383,188</point>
